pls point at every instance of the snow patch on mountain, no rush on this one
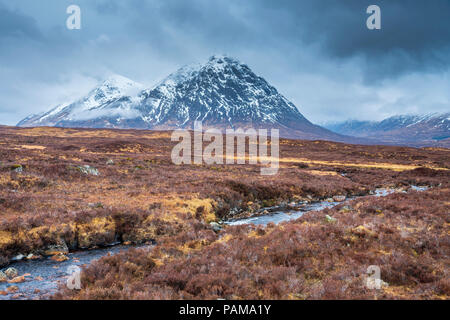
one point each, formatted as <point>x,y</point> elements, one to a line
<point>222,93</point>
<point>113,97</point>
<point>223,89</point>
<point>406,128</point>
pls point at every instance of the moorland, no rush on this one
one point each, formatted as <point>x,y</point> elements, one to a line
<point>78,189</point>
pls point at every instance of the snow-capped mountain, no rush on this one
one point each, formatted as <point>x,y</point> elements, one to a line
<point>222,93</point>
<point>408,129</point>
<point>113,98</point>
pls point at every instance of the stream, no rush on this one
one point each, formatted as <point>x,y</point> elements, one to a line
<point>282,216</point>
<point>44,275</point>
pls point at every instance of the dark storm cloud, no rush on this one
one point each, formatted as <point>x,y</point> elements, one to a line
<point>319,54</point>
<point>176,27</point>
<point>417,27</point>
<point>415,35</point>
<point>16,25</point>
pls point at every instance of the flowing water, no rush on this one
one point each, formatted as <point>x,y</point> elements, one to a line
<point>281,216</point>
<point>46,274</point>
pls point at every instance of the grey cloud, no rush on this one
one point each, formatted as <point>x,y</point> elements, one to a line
<point>414,37</point>
<point>319,54</point>
<point>16,25</point>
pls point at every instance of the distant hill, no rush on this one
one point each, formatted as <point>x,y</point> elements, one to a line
<point>225,93</point>
<point>416,130</point>
<point>222,93</point>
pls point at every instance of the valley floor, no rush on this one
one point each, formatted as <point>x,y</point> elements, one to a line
<point>72,189</point>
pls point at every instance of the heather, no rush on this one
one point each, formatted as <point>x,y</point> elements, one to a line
<point>92,188</point>
<point>310,258</point>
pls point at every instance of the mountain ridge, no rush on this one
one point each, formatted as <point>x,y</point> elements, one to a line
<point>113,88</point>
<point>222,93</point>
<point>225,93</point>
<point>421,130</point>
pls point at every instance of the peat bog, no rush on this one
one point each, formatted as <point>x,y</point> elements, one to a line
<point>65,190</point>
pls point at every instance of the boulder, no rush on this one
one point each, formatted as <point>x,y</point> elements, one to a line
<point>11,273</point>
<point>339,198</point>
<point>17,168</point>
<point>95,205</point>
<point>18,257</point>
<point>3,277</point>
<point>60,257</point>
<point>55,249</point>
<point>292,205</point>
<point>88,170</point>
<point>12,289</point>
<point>215,226</point>
<point>346,209</point>
<point>19,279</point>
<point>32,256</point>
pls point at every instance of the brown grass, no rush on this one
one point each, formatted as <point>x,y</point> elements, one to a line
<point>310,258</point>
<point>143,197</point>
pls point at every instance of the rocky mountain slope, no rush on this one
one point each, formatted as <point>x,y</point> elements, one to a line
<point>222,93</point>
<point>112,99</point>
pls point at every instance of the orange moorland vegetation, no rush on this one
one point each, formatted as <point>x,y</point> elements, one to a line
<point>89,188</point>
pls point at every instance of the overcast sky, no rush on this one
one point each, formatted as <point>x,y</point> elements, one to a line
<point>319,54</point>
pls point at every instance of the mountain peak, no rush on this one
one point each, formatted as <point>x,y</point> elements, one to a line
<point>222,59</point>
<point>121,84</point>
<point>222,63</point>
<point>222,92</point>
<point>216,64</point>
